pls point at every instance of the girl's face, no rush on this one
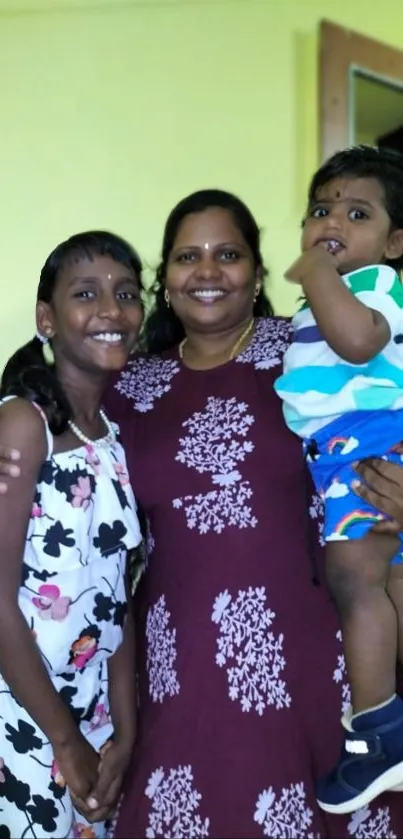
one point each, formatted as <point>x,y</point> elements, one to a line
<point>95,314</point>
<point>211,276</point>
<point>349,218</point>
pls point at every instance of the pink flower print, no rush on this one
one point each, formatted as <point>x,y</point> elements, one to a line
<point>93,460</point>
<point>121,474</point>
<point>50,604</point>
<point>100,717</point>
<point>83,831</point>
<point>82,492</point>
<point>56,774</point>
<point>36,511</point>
<point>2,776</point>
<point>82,651</point>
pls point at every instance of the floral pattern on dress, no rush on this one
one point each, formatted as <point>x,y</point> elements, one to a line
<point>287,815</point>
<point>316,512</point>
<point>250,651</point>
<point>73,597</point>
<point>174,805</point>
<point>161,652</point>
<point>146,380</point>
<point>340,677</point>
<point>217,443</point>
<point>371,823</point>
<point>271,338</point>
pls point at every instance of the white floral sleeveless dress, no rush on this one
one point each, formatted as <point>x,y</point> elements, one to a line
<point>72,594</point>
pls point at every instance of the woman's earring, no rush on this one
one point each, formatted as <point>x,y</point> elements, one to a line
<point>257,292</point>
<point>167,298</point>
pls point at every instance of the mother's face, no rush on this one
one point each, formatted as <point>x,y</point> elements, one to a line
<point>211,276</point>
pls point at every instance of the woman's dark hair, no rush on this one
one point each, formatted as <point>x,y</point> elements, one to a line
<point>382,164</point>
<point>163,329</point>
<point>27,374</point>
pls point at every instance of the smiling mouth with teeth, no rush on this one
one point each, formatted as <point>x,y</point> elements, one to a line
<point>108,337</point>
<point>207,294</point>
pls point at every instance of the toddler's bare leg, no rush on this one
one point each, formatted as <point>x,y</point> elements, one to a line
<point>357,574</point>
<point>395,592</point>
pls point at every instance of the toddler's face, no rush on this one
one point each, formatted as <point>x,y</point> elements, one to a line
<point>349,218</point>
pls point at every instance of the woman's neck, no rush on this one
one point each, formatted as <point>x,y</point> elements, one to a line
<point>204,350</point>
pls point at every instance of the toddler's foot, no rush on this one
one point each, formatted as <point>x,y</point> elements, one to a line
<point>371,761</point>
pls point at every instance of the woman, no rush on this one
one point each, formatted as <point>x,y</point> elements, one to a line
<point>240,674</point>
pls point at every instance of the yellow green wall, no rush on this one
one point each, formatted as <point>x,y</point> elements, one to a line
<point>111,112</point>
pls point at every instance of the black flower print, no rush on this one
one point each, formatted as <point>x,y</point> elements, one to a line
<point>37,575</point>
<point>56,536</point>
<point>44,812</point>
<point>4,832</point>
<point>120,614</point>
<point>23,738</point>
<point>67,695</point>
<point>14,791</point>
<point>47,473</point>
<point>110,538</point>
<point>67,482</point>
<point>104,607</point>
<point>123,500</point>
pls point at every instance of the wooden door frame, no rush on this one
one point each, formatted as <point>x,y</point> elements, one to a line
<point>340,50</point>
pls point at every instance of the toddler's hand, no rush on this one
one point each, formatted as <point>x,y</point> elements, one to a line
<point>311,263</point>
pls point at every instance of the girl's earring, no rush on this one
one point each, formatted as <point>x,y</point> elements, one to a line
<point>47,349</point>
<point>42,338</point>
<point>167,298</point>
<point>257,292</point>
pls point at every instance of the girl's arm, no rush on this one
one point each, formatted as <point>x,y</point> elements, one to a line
<point>21,664</point>
<point>123,707</point>
<point>122,682</point>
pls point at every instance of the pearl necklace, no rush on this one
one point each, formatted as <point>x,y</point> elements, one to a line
<point>235,348</point>
<point>108,440</point>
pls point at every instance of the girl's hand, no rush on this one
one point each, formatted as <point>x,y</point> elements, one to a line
<point>382,486</point>
<point>78,763</point>
<point>104,797</point>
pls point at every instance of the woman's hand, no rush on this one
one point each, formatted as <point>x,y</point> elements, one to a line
<point>9,467</point>
<point>382,486</point>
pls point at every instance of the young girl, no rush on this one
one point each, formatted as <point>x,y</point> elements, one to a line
<point>67,697</point>
<point>343,393</point>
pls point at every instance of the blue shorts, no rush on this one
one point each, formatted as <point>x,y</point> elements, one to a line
<point>330,455</point>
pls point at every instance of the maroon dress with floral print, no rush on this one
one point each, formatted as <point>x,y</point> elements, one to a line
<point>241,672</point>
